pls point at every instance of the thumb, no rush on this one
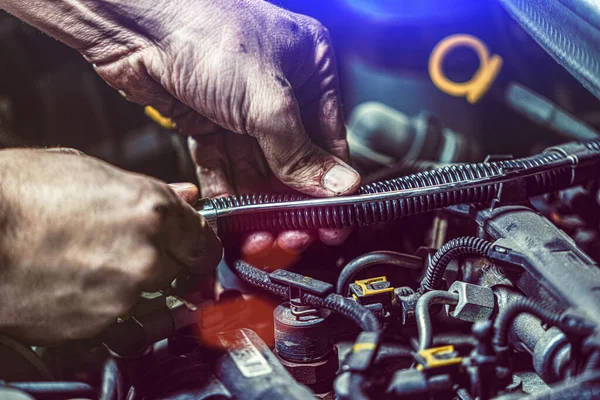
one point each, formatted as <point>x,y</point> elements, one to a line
<point>294,158</point>
<point>187,192</point>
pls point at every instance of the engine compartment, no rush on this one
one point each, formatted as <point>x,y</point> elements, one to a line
<point>499,303</point>
<point>476,277</point>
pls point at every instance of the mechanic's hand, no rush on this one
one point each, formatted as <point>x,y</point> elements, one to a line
<point>81,239</point>
<point>222,66</point>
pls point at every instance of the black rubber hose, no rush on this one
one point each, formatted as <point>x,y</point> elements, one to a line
<point>365,261</point>
<point>55,390</point>
<point>356,387</point>
<point>112,381</point>
<point>593,361</point>
<point>258,278</point>
<point>423,317</point>
<point>512,310</point>
<point>459,247</point>
<point>359,215</point>
<point>362,316</point>
<point>350,309</point>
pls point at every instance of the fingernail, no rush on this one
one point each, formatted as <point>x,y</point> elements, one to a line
<point>340,179</point>
<point>182,185</point>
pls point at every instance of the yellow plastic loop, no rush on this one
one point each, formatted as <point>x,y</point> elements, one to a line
<point>473,90</point>
<point>158,118</point>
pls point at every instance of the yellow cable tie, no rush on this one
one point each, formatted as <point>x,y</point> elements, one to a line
<point>158,118</point>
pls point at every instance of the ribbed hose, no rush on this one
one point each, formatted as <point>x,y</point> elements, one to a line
<point>593,361</point>
<point>365,214</point>
<point>455,248</point>
<point>506,317</point>
<point>362,316</point>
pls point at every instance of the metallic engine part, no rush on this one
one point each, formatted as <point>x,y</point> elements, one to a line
<point>423,315</point>
<point>475,303</point>
<point>302,337</point>
<point>317,375</point>
<point>208,211</point>
<point>549,348</point>
<point>407,306</point>
<point>556,270</point>
<point>551,355</point>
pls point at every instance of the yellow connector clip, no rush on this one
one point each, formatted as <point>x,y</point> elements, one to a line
<point>369,286</point>
<point>158,118</point>
<point>437,357</point>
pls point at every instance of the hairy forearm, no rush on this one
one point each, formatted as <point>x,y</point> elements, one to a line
<point>94,27</point>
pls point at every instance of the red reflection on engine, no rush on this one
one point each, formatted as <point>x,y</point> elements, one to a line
<point>255,313</point>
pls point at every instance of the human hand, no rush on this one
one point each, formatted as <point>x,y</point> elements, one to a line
<point>255,85</point>
<point>81,239</point>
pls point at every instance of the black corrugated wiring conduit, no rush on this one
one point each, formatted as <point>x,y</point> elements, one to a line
<point>593,361</point>
<point>455,248</point>
<point>350,309</point>
<point>556,168</point>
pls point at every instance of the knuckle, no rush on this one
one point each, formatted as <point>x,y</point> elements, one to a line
<point>285,103</point>
<point>297,163</point>
<point>144,266</point>
<point>318,30</point>
<point>289,22</point>
<point>274,110</point>
<point>155,203</point>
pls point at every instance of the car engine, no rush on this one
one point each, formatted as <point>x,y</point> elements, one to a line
<point>472,271</point>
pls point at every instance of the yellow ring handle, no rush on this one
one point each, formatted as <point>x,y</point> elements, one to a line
<point>474,89</point>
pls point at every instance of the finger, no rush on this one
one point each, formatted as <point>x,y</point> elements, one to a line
<point>189,122</point>
<point>249,169</point>
<point>334,237</point>
<point>291,154</point>
<point>196,246</point>
<point>257,243</point>
<point>187,236</point>
<point>295,242</point>
<point>66,150</point>
<point>250,175</point>
<point>320,101</point>
<point>166,269</point>
<point>187,192</point>
<point>208,152</point>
